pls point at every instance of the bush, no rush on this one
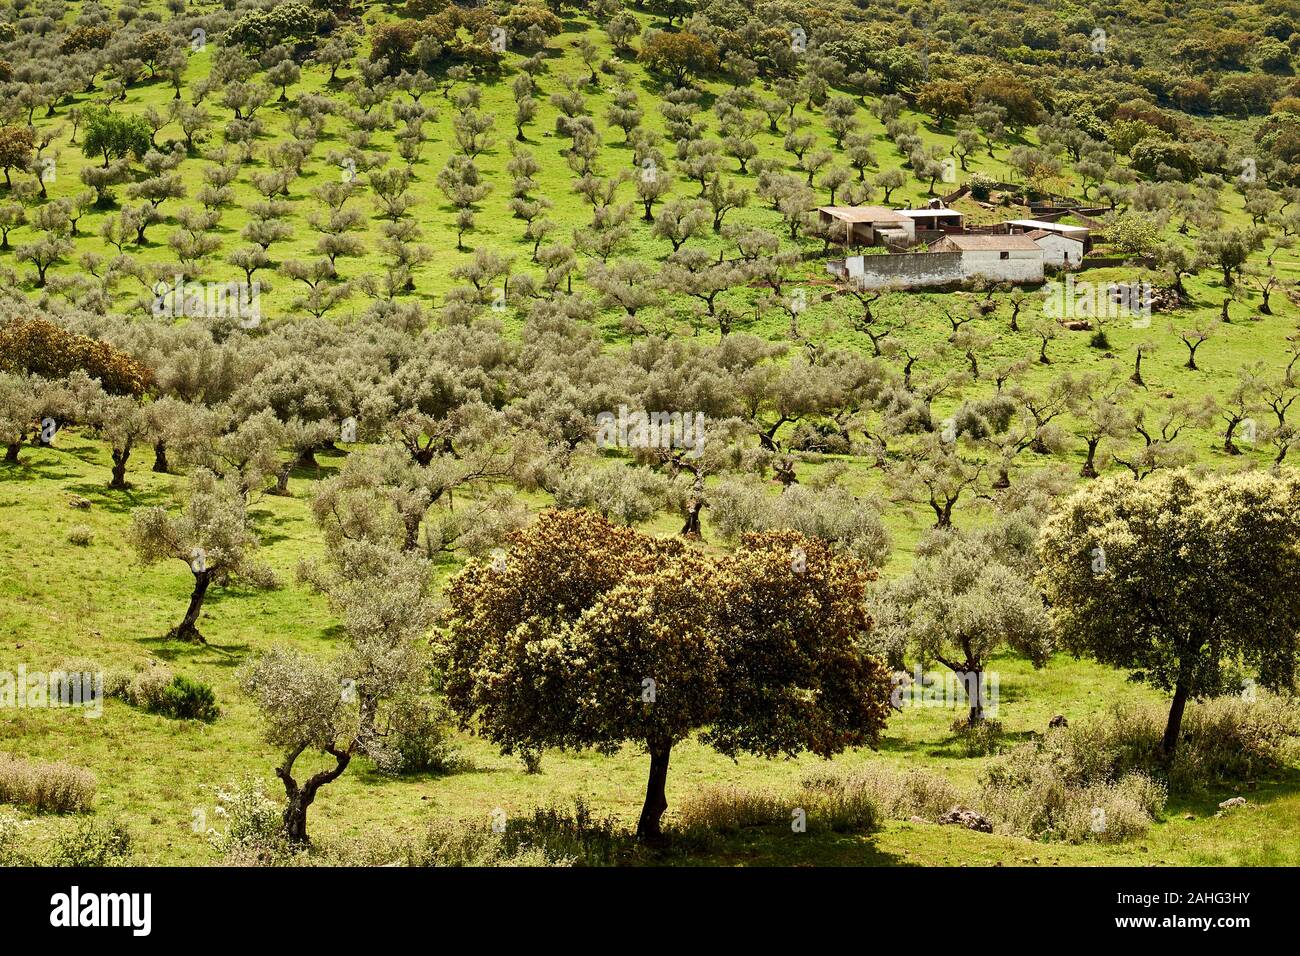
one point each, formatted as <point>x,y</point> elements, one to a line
<point>11,852</point>
<point>1224,741</point>
<point>549,836</point>
<point>419,738</point>
<point>725,810</point>
<point>80,535</point>
<point>45,788</point>
<point>1075,784</point>
<point>187,699</point>
<point>452,844</point>
<point>980,739</point>
<point>158,691</point>
<point>829,802</point>
<point>981,186</point>
<point>254,827</point>
<point>92,843</point>
<point>898,796</point>
<point>1031,799</point>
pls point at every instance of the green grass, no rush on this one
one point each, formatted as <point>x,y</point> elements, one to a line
<point>61,601</point>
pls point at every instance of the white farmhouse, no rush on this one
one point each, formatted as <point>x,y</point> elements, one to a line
<point>1059,250</point>
<point>998,258</point>
<point>1082,233</point>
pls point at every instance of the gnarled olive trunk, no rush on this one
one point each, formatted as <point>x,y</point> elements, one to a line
<point>188,629</point>
<point>974,679</point>
<point>1090,463</point>
<point>120,458</point>
<point>300,798</point>
<point>656,800</point>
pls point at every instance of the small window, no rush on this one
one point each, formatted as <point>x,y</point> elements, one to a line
<point>1004,255</point>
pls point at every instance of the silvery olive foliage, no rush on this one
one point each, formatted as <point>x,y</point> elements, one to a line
<point>960,603</point>
<point>357,702</point>
<point>212,535</point>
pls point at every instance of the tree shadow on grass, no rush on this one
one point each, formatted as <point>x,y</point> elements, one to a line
<point>777,845</point>
<point>117,500</point>
<point>29,469</point>
<point>1280,785</point>
<point>166,647</point>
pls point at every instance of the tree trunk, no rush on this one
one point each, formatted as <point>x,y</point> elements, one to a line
<point>160,463</point>
<point>300,798</point>
<point>1175,724</point>
<point>975,694</point>
<point>282,479</point>
<point>412,539</point>
<point>694,505</point>
<point>656,801</point>
<point>188,629</point>
<point>120,458</point>
<point>1089,465</point>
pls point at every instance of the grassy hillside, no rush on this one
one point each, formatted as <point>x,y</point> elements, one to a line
<point>61,602</point>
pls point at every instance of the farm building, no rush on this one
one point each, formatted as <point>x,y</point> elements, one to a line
<point>934,220</point>
<point>1000,258</point>
<point>1064,252</point>
<point>867,225</point>
<point>953,260</point>
<point>1081,233</point>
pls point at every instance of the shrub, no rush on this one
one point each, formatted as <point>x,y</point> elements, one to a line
<point>187,699</point>
<point>45,788</point>
<point>158,691</point>
<point>548,836</point>
<point>39,346</point>
<point>1225,740</point>
<point>1078,783</point>
<point>725,810</point>
<point>80,535</point>
<point>254,827</point>
<point>418,737</point>
<point>981,186</point>
<point>11,851</point>
<point>896,795</point>
<point>828,803</point>
<point>452,844</point>
<point>1031,799</point>
<point>981,738</point>
<point>92,843</point>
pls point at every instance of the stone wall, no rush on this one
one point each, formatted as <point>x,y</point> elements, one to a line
<point>908,270</point>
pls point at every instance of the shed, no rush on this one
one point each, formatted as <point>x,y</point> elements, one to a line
<point>865,225</point>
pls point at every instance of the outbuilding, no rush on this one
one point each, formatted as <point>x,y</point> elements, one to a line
<point>867,225</point>
<point>1061,251</point>
<point>1000,258</point>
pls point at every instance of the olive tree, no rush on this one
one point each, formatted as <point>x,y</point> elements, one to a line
<point>212,535</point>
<point>344,707</point>
<point>959,604</point>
